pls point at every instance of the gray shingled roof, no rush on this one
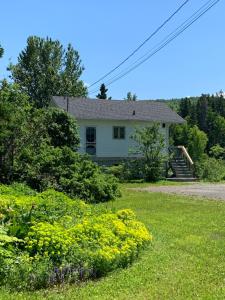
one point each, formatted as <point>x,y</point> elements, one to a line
<point>97,109</point>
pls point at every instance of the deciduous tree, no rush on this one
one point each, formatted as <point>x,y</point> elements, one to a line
<point>150,144</point>
<point>197,141</point>
<point>45,69</point>
<point>131,97</point>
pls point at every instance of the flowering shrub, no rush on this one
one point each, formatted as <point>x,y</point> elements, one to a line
<point>110,242</point>
<point>49,240</point>
<point>65,239</point>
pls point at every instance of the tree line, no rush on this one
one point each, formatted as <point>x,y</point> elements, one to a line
<point>208,113</point>
<point>203,133</point>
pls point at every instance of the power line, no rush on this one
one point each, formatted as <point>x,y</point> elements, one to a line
<point>142,44</point>
<point>168,40</point>
<point>159,44</point>
<point>165,39</point>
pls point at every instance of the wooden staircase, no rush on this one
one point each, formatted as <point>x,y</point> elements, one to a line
<point>181,164</point>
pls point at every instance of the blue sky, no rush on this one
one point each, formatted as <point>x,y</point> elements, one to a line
<point>105,32</point>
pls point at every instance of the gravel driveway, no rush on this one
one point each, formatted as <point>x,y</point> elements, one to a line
<point>205,190</point>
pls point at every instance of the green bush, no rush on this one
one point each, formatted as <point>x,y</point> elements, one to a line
<point>66,171</point>
<point>131,169</point>
<point>16,189</point>
<point>118,171</point>
<point>210,169</point>
<point>49,238</point>
<point>150,144</point>
<point>217,151</point>
<point>24,272</point>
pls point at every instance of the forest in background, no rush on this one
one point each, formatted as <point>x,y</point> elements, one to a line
<point>203,133</point>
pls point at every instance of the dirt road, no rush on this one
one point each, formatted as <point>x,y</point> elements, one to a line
<point>205,190</point>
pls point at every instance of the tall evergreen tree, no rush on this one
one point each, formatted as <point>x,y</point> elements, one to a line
<point>202,111</point>
<point>45,69</point>
<point>1,51</point>
<point>217,103</point>
<point>185,107</point>
<point>103,92</point>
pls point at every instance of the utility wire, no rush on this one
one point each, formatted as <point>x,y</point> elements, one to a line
<point>142,44</point>
<point>168,40</point>
<point>159,44</point>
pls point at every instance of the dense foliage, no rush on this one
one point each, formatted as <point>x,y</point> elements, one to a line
<point>203,134</point>
<point>149,143</point>
<point>48,238</point>
<point>14,117</point>
<point>208,113</point>
<point>67,171</point>
<point>46,69</point>
<point>38,146</point>
<point>210,169</point>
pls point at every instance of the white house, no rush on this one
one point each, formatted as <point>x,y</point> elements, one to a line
<point>106,125</point>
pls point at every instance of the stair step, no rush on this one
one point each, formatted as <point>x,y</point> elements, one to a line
<point>185,168</point>
<point>179,166</point>
<point>184,176</point>
<point>181,179</point>
<point>177,159</point>
<point>183,172</point>
<point>178,163</point>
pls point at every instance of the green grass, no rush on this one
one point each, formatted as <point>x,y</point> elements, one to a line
<point>185,261</point>
<point>138,184</point>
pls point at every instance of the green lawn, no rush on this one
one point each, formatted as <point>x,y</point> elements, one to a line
<point>185,261</point>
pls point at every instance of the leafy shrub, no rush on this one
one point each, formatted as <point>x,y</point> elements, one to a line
<point>20,212</point>
<point>149,166</point>
<point>68,172</point>
<point>6,241</point>
<point>210,169</point>
<point>149,143</point>
<point>104,242</point>
<point>24,272</point>
<point>50,240</point>
<point>109,241</point>
<point>130,169</point>
<point>197,141</point>
<point>57,239</point>
<point>217,151</point>
<point>16,189</point>
<point>135,169</point>
<point>117,171</point>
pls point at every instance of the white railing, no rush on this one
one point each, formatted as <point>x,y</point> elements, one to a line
<point>185,154</point>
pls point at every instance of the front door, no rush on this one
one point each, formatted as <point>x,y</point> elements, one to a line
<point>91,140</point>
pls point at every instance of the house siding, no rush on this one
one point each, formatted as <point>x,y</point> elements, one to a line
<point>106,145</point>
